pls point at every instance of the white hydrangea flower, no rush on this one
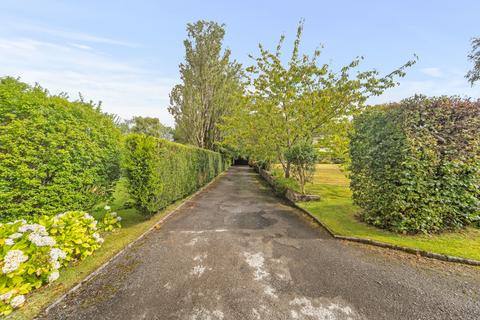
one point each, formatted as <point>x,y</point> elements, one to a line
<point>15,235</point>
<point>9,242</point>
<point>17,301</point>
<point>49,241</point>
<point>97,237</point>
<point>22,221</point>
<point>12,260</point>
<point>56,253</point>
<point>119,218</point>
<point>36,228</point>
<point>41,241</point>
<point>55,264</point>
<point>107,208</point>
<point>88,216</point>
<point>53,276</point>
<point>59,216</point>
<point>6,296</point>
<point>113,214</point>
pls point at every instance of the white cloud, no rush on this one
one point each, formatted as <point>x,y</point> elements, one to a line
<point>70,35</point>
<point>81,46</point>
<point>432,72</point>
<point>124,88</point>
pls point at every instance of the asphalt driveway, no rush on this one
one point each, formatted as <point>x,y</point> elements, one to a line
<point>235,251</point>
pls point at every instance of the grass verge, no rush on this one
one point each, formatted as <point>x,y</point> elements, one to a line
<point>133,225</point>
<point>337,212</point>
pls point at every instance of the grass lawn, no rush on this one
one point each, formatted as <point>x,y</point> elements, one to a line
<point>133,225</point>
<point>335,210</point>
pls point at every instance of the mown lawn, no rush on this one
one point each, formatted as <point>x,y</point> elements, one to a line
<point>133,225</point>
<point>335,209</point>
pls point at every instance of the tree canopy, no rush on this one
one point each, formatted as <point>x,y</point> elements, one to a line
<point>149,126</point>
<point>210,84</point>
<point>474,56</point>
<point>293,103</point>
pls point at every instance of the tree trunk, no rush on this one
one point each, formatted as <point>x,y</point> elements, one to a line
<point>287,170</point>
<point>302,182</point>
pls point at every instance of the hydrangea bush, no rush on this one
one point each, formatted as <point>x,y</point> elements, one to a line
<point>111,220</point>
<point>31,254</point>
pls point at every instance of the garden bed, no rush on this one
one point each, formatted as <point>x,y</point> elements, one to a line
<point>284,190</point>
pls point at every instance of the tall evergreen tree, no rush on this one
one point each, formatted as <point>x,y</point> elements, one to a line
<point>210,85</point>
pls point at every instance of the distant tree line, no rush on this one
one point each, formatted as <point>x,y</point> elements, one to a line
<point>147,125</point>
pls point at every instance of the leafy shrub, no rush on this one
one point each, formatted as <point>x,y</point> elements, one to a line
<point>31,254</point>
<point>416,164</point>
<point>55,155</point>
<point>282,184</point>
<point>160,172</point>
<point>111,220</point>
<point>26,263</point>
<point>75,233</point>
<point>303,158</point>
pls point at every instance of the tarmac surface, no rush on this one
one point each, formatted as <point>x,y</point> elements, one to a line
<point>235,251</point>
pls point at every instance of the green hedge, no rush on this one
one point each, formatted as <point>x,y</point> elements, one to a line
<point>160,172</point>
<point>416,165</point>
<point>55,155</point>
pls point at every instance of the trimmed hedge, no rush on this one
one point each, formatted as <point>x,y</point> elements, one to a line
<point>55,155</point>
<point>416,165</point>
<point>160,172</point>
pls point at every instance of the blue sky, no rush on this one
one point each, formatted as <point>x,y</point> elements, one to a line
<point>126,53</point>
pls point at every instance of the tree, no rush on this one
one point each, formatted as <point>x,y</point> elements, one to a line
<point>150,127</point>
<point>303,158</point>
<point>474,56</point>
<point>299,101</point>
<point>210,84</point>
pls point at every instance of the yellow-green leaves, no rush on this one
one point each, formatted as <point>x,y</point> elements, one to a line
<point>32,254</point>
<point>296,99</point>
